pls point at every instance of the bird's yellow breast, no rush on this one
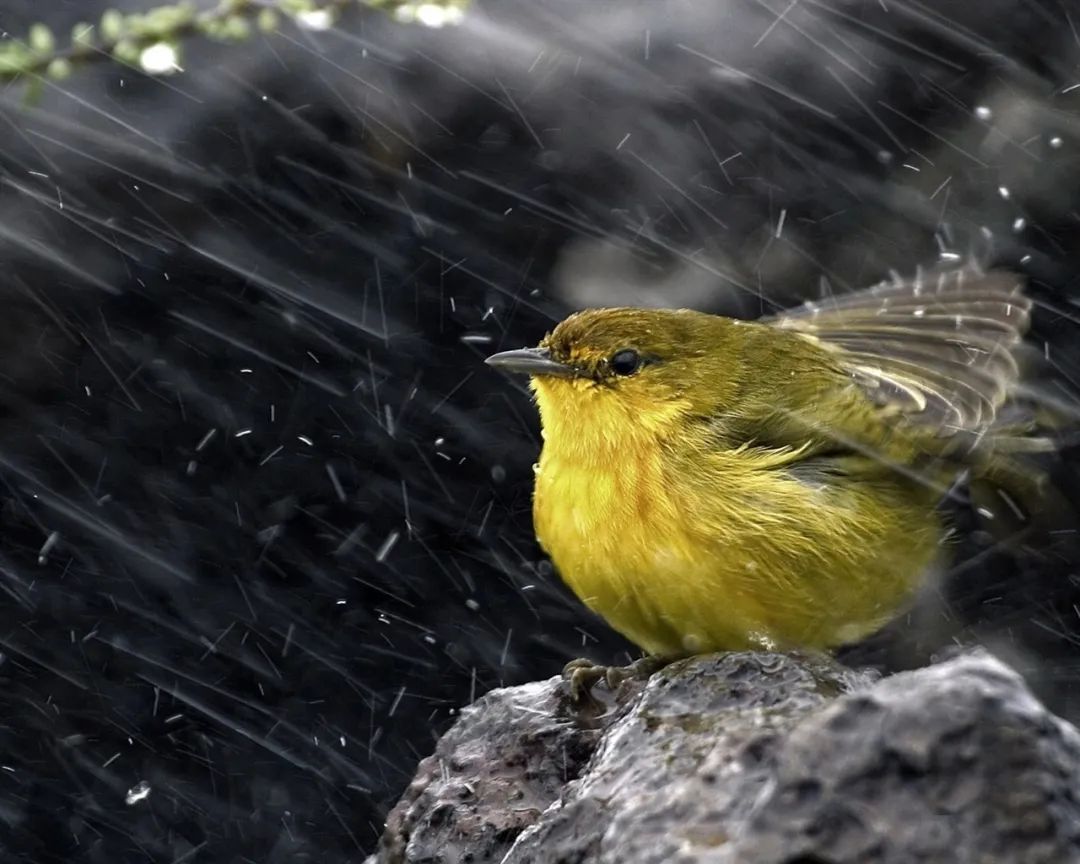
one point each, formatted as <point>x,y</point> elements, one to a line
<point>617,540</point>
<point>684,549</point>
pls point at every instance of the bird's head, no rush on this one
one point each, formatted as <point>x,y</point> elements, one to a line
<point>604,374</point>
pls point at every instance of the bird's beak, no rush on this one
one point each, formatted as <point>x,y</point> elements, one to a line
<point>531,361</point>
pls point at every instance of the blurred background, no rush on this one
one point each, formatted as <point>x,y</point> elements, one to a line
<point>264,513</point>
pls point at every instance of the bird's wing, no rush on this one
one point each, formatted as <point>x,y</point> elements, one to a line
<point>938,349</point>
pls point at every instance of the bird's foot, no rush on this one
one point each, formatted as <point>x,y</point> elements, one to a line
<point>582,675</point>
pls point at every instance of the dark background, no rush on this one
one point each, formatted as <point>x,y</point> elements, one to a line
<point>265,514</point>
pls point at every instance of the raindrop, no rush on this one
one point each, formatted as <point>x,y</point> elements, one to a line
<point>159,59</point>
<point>139,792</point>
<point>386,546</point>
<point>47,546</point>
<point>316,19</point>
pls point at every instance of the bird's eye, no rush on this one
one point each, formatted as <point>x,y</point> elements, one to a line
<point>625,362</point>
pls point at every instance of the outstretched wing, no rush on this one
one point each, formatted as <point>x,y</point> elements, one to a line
<point>939,349</point>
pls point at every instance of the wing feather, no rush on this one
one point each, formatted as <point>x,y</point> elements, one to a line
<point>939,349</point>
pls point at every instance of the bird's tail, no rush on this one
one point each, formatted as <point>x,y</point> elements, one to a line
<point>1020,485</point>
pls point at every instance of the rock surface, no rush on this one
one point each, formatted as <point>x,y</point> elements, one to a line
<point>509,756</point>
<point>753,759</point>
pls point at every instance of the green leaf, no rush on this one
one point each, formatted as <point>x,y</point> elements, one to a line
<point>41,39</point>
<point>268,20</point>
<point>32,95</point>
<point>59,69</point>
<point>112,25</point>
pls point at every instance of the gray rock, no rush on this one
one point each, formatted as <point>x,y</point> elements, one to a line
<point>755,759</point>
<point>505,761</point>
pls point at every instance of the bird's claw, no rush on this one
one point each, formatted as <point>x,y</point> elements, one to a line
<point>582,675</point>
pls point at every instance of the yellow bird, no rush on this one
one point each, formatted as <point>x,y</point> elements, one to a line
<point>714,484</point>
